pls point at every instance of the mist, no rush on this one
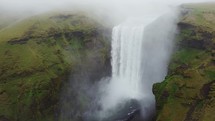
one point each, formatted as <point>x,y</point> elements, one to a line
<point>153,21</point>
<point>117,10</point>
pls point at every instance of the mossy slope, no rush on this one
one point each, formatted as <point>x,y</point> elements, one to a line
<point>36,56</point>
<point>187,93</point>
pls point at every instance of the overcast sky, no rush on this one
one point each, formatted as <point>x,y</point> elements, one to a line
<point>113,7</point>
<point>41,5</point>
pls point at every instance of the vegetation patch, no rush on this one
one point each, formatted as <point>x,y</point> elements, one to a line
<point>36,56</point>
<point>187,91</point>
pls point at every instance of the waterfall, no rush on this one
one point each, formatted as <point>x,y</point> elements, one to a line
<point>126,81</point>
<point>140,56</point>
<point>126,58</point>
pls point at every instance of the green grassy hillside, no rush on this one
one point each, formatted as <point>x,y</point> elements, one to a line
<point>37,55</point>
<point>187,93</point>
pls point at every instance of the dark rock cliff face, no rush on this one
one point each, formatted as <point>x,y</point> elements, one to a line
<point>80,90</point>
<point>187,93</point>
<point>43,57</point>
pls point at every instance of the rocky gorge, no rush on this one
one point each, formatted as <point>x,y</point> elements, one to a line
<point>48,62</point>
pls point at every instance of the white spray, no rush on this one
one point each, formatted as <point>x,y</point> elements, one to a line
<point>140,55</point>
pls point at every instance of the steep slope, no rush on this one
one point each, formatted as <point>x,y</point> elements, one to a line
<point>188,92</point>
<point>38,54</point>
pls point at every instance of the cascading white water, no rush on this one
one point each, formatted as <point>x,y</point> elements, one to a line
<point>126,58</point>
<point>140,55</point>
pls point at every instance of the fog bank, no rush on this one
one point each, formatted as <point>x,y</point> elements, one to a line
<point>118,10</point>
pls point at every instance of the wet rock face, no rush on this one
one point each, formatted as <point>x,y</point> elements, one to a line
<point>187,91</point>
<point>2,118</point>
<point>126,111</point>
<point>195,37</point>
<point>129,111</point>
<point>80,90</point>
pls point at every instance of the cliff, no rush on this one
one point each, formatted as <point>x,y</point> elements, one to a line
<point>38,55</point>
<point>188,91</point>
